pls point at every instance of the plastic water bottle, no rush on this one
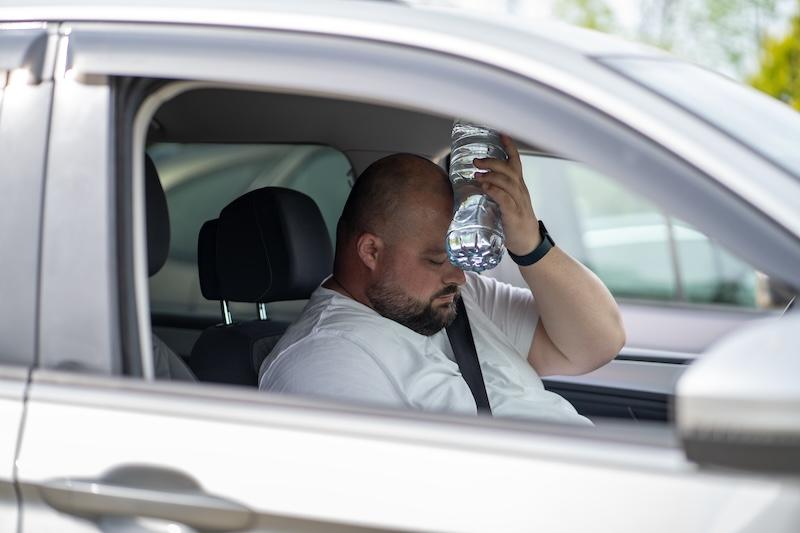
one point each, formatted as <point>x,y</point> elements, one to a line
<point>475,239</point>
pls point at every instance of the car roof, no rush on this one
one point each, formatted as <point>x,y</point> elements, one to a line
<point>391,21</point>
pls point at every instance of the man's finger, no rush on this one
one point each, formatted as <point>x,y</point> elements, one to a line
<point>504,181</point>
<point>503,199</point>
<point>497,165</point>
<point>514,158</point>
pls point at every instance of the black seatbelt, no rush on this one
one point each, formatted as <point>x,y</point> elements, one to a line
<point>460,335</point>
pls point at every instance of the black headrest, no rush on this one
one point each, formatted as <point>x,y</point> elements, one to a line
<point>272,245</point>
<point>157,218</point>
<point>207,260</point>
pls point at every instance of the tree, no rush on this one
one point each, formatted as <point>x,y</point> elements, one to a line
<point>779,74</point>
<point>592,14</point>
<point>724,35</point>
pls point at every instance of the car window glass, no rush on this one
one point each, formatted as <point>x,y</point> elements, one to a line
<point>637,249</point>
<point>760,121</point>
<point>201,179</point>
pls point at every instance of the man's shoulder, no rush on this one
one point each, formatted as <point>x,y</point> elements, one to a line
<point>336,314</point>
<point>477,285</point>
<point>330,319</point>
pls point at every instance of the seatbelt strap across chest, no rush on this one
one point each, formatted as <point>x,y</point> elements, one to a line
<point>460,335</point>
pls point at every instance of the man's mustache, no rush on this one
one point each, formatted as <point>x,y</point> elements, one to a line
<point>447,291</point>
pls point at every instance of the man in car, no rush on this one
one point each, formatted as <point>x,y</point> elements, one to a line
<point>374,332</point>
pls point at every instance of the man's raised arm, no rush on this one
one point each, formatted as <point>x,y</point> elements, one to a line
<point>579,328</point>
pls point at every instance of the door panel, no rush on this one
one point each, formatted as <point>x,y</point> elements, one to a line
<point>25,93</point>
<point>634,390</point>
<point>279,464</point>
<point>12,390</point>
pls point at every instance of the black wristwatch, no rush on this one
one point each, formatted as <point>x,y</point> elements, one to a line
<point>538,252</point>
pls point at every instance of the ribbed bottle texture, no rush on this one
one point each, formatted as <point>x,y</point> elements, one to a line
<point>475,239</point>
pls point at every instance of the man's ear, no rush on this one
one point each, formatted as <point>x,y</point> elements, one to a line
<point>369,246</point>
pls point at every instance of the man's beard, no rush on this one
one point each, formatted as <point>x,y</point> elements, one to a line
<point>392,303</point>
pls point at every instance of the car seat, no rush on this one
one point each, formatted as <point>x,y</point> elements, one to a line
<point>166,363</point>
<point>207,267</point>
<point>268,245</point>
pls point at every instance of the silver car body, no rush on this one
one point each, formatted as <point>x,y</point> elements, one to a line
<point>84,449</point>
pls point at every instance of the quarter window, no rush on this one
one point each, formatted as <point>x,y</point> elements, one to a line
<point>201,179</point>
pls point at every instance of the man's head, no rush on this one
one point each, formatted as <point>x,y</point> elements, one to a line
<point>390,251</point>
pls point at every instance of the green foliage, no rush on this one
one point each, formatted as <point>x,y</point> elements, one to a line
<point>723,35</point>
<point>779,74</point>
<point>592,14</point>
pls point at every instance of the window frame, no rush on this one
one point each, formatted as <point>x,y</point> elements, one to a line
<point>564,124</point>
<point>26,87</point>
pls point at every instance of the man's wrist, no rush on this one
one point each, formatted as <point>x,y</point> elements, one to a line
<point>526,240</point>
<point>538,251</point>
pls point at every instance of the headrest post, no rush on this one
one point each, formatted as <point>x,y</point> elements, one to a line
<point>262,311</point>
<point>226,312</point>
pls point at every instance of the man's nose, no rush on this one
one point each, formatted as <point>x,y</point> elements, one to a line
<point>454,275</point>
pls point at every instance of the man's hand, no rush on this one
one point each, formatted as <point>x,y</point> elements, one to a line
<point>503,183</point>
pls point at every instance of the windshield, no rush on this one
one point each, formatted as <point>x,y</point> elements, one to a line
<point>761,122</point>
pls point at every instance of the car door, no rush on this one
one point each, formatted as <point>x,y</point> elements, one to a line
<point>25,89</point>
<point>106,447</point>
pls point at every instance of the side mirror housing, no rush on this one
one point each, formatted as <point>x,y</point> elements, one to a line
<point>739,405</point>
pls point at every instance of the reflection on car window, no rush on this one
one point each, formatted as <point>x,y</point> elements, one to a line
<point>743,113</point>
<point>637,249</point>
<point>201,179</point>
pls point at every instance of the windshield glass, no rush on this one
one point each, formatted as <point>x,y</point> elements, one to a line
<point>759,121</point>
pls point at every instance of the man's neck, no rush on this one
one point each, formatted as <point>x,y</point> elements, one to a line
<point>333,284</point>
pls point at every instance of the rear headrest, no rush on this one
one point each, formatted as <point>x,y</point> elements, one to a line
<point>272,245</point>
<point>207,260</point>
<point>157,218</point>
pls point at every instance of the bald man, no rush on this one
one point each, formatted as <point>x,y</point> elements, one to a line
<point>374,332</point>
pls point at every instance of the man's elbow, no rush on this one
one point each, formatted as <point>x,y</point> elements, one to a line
<point>614,342</point>
<point>606,347</point>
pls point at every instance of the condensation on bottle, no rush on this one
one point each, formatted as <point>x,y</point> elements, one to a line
<point>475,239</point>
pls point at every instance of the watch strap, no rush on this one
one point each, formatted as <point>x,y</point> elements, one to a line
<point>540,251</point>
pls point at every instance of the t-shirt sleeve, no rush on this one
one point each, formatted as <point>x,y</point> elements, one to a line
<point>512,309</point>
<point>167,363</point>
<point>332,367</point>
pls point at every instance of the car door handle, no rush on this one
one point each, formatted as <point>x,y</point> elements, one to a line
<point>145,491</point>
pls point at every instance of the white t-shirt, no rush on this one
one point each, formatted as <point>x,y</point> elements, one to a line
<point>342,349</point>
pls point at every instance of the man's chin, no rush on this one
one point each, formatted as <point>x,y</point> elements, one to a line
<point>447,314</point>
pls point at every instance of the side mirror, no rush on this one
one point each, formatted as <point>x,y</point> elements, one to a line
<point>739,405</point>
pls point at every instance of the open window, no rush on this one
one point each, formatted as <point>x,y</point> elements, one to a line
<point>240,126</point>
<point>238,140</point>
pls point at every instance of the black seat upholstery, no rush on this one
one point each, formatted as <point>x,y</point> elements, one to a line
<point>207,260</point>
<point>167,364</point>
<point>268,245</point>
